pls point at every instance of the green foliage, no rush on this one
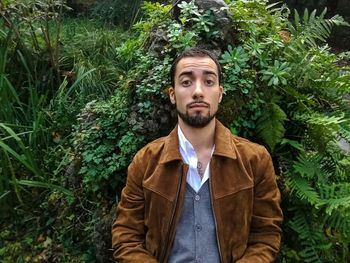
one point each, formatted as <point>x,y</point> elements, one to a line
<point>283,88</point>
<point>277,74</point>
<point>122,13</point>
<point>25,156</point>
<point>257,17</point>
<point>111,144</point>
<point>49,71</point>
<point>30,38</point>
<point>94,46</point>
<point>311,28</point>
<point>234,60</point>
<point>313,185</point>
<point>311,237</point>
<point>154,14</point>
<point>270,125</point>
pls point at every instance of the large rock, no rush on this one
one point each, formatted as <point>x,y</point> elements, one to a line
<point>223,25</point>
<point>219,7</point>
<point>223,18</point>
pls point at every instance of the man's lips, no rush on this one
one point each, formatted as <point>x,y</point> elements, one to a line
<point>198,105</point>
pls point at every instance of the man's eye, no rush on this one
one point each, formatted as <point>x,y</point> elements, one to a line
<point>186,83</point>
<point>209,82</point>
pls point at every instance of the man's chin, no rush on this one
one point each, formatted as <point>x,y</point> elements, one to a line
<point>196,120</point>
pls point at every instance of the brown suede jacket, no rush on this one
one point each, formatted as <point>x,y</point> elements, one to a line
<point>244,195</point>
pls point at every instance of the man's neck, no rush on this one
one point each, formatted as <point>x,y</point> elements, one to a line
<point>200,138</point>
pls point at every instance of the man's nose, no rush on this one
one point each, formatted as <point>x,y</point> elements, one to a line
<point>198,90</point>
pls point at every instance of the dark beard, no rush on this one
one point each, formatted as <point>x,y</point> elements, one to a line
<point>197,121</point>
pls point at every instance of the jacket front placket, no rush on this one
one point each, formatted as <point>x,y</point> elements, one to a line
<point>176,213</point>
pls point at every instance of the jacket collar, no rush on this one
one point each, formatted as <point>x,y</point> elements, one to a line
<point>224,146</point>
<point>171,148</point>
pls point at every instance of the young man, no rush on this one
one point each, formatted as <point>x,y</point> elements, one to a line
<point>200,194</point>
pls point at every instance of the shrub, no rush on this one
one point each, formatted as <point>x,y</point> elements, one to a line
<point>283,89</point>
<point>44,83</point>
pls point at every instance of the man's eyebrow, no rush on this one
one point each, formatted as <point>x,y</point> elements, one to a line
<point>209,72</point>
<point>186,73</point>
<point>190,72</point>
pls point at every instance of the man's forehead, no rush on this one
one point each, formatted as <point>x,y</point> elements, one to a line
<point>189,64</point>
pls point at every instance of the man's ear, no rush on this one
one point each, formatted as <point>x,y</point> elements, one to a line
<point>222,92</point>
<point>171,92</point>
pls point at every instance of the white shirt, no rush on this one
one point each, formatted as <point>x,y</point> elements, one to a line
<point>189,156</point>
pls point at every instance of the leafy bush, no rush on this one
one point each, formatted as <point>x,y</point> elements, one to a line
<point>49,70</point>
<point>29,71</point>
<point>283,89</point>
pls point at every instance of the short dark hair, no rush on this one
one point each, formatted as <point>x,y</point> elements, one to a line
<point>194,52</point>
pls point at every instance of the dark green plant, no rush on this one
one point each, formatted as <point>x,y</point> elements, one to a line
<point>112,143</point>
<point>111,131</point>
<point>43,85</point>
<point>29,31</point>
<point>302,92</point>
<point>121,13</point>
<point>283,89</point>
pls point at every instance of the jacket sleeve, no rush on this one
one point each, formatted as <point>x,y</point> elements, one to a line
<point>128,230</point>
<point>265,232</point>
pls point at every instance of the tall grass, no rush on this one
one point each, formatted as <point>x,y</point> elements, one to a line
<point>95,46</point>
<point>24,136</point>
<point>26,88</point>
<point>29,114</point>
<point>118,12</point>
<point>39,103</point>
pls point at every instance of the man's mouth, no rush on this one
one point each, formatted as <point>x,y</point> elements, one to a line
<point>195,105</point>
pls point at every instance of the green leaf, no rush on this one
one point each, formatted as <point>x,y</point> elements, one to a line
<point>302,189</point>
<point>293,143</point>
<point>270,125</point>
<point>32,183</point>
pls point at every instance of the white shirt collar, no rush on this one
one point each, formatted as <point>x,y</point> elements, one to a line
<point>189,156</point>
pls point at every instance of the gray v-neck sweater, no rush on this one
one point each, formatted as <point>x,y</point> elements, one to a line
<point>195,239</point>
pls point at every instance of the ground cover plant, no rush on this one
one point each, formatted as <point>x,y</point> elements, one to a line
<point>61,173</point>
<point>51,66</point>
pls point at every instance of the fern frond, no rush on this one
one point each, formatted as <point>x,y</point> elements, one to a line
<point>311,235</point>
<point>322,128</point>
<point>329,165</point>
<point>308,166</point>
<point>270,125</point>
<point>307,32</point>
<point>337,203</point>
<point>303,190</point>
<point>311,28</point>
<point>335,196</point>
<point>340,221</point>
<point>344,133</point>
<point>321,119</point>
<point>336,200</point>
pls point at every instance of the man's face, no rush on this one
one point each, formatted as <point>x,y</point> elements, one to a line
<point>196,90</point>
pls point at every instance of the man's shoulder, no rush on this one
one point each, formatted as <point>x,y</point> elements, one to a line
<point>244,142</point>
<point>247,146</point>
<point>153,146</point>
<point>230,145</point>
<point>161,150</point>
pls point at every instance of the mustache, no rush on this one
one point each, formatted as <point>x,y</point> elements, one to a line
<point>196,102</point>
